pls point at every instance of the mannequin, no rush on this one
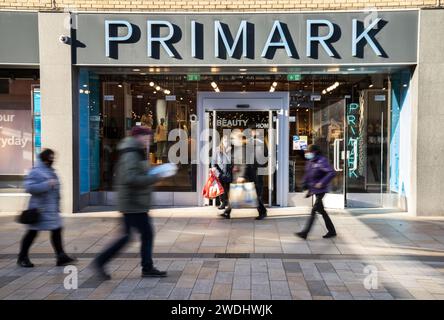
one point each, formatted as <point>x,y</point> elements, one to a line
<point>161,140</point>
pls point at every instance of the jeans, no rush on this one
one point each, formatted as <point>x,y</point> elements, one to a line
<point>141,222</point>
<point>318,207</point>
<point>28,239</point>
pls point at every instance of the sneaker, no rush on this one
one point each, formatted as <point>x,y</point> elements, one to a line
<point>100,272</point>
<point>329,235</point>
<point>153,272</point>
<point>25,263</point>
<point>64,260</point>
<point>302,235</point>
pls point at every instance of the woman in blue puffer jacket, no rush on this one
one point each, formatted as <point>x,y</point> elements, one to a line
<point>43,185</point>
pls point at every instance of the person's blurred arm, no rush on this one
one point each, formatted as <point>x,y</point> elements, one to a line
<point>132,172</point>
<point>329,172</point>
<point>34,185</point>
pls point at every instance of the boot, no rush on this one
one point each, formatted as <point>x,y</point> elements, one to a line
<point>302,235</point>
<point>153,272</point>
<point>329,235</point>
<point>25,262</point>
<point>100,271</point>
<point>63,260</point>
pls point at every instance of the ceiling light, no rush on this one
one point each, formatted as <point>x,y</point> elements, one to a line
<point>274,84</point>
<point>214,84</point>
<point>216,89</point>
<point>351,69</point>
<point>136,70</point>
<point>405,85</point>
<point>158,88</point>
<point>272,89</point>
<point>151,84</point>
<point>119,85</point>
<point>242,70</point>
<point>370,86</point>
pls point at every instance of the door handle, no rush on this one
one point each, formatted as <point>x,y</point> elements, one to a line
<point>337,154</point>
<point>355,152</point>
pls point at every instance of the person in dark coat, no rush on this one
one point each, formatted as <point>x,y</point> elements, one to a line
<point>318,175</point>
<point>222,168</point>
<point>44,186</point>
<point>134,183</point>
<point>245,169</point>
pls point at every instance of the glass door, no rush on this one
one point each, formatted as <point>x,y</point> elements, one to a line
<point>367,146</point>
<point>328,132</point>
<point>226,122</point>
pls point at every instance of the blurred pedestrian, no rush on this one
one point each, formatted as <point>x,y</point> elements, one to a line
<point>222,169</point>
<point>245,168</point>
<point>44,186</point>
<point>318,175</point>
<point>133,182</point>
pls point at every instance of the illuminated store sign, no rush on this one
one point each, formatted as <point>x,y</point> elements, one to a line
<point>259,39</point>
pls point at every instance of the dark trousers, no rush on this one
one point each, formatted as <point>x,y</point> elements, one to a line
<point>318,207</point>
<point>141,222</point>
<point>224,197</point>
<point>30,235</point>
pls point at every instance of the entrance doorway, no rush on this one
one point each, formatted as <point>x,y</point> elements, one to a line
<point>240,111</point>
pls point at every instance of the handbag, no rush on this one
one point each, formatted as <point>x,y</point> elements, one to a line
<point>243,195</point>
<point>29,216</point>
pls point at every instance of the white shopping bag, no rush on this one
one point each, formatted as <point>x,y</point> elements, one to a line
<point>243,195</point>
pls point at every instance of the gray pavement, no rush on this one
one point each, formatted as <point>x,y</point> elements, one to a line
<point>378,254</point>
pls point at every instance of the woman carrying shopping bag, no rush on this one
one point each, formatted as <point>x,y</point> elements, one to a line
<point>222,168</point>
<point>43,184</point>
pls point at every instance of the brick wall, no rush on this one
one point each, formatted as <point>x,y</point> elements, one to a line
<point>212,5</point>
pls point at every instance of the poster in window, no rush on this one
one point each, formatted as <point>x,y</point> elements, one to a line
<point>15,142</point>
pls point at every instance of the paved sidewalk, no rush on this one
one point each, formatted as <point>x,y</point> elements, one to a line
<point>211,258</point>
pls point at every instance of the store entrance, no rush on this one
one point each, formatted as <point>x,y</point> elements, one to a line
<point>260,150</point>
<point>237,114</point>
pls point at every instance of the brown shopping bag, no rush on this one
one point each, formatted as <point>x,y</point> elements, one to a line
<point>243,195</point>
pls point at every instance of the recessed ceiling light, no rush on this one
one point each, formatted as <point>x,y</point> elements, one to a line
<point>136,70</point>
<point>351,69</point>
<point>242,70</point>
<point>151,84</point>
<point>158,88</point>
<point>370,86</point>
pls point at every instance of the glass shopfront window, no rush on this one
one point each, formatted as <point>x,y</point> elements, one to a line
<point>350,114</point>
<point>18,94</point>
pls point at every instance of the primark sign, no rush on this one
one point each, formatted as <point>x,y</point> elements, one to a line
<point>261,39</point>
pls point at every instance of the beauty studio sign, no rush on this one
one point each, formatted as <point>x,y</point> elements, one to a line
<point>272,39</point>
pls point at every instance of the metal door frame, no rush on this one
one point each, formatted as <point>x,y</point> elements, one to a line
<point>257,101</point>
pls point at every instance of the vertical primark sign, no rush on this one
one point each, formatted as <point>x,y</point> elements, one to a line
<point>385,37</point>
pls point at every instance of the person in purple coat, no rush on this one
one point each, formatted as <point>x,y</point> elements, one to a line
<point>317,178</point>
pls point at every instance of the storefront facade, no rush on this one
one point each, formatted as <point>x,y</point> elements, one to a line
<point>348,81</point>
